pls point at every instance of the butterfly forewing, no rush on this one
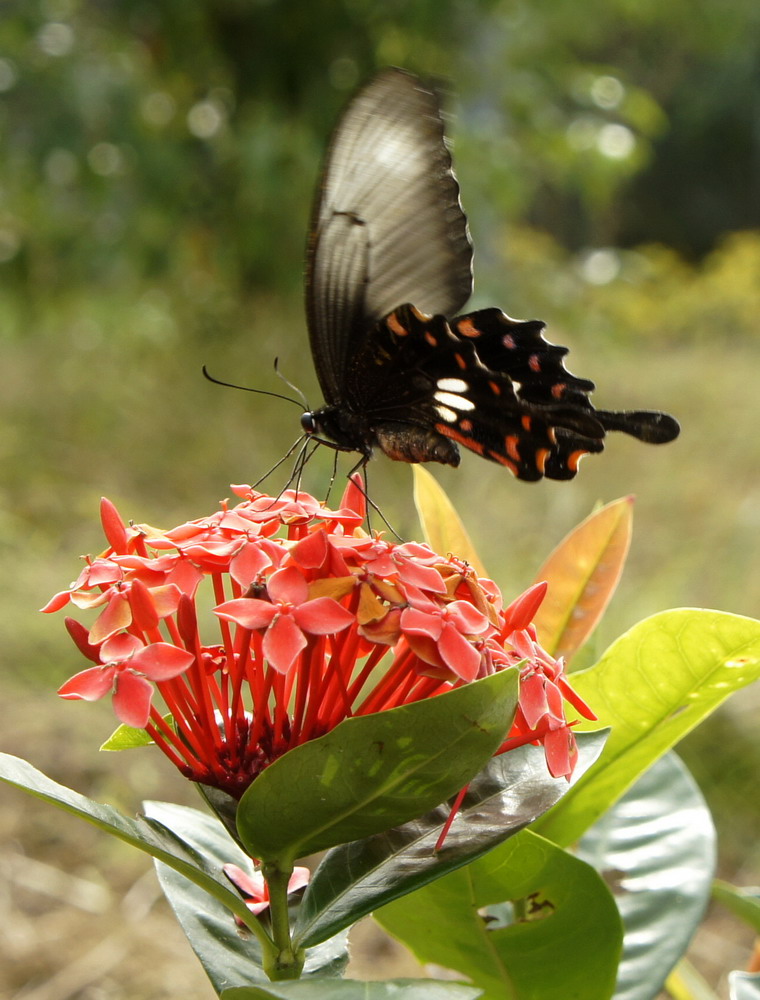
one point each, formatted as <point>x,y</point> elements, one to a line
<point>389,259</point>
<point>388,227</point>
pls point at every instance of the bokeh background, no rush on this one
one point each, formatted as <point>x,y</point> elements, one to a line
<point>157,164</point>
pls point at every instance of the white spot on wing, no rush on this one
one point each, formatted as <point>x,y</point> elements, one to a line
<point>446,414</point>
<point>452,385</point>
<point>457,402</point>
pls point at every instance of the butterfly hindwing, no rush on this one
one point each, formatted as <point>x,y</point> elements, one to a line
<point>422,383</point>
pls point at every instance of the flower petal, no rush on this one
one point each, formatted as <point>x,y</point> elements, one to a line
<point>250,885</point>
<point>459,654</point>
<point>283,642</point>
<point>116,615</point>
<point>89,685</point>
<point>299,878</point>
<point>162,660</point>
<point>249,612</point>
<point>418,622</point>
<point>251,561</point>
<point>119,647</point>
<point>322,616</point>
<point>288,585</point>
<point>132,698</point>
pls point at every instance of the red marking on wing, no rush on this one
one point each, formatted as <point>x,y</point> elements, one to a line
<point>467,328</point>
<point>511,444</point>
<point>503,460</point>
<point>462,439</point>
<point>395,327</point>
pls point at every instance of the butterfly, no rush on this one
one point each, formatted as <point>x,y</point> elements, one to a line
<point>389,259</point>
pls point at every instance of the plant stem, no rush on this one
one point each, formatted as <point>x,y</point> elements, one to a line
<point>285,963</point>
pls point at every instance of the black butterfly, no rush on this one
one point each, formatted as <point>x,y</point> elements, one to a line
<point>389,258</point>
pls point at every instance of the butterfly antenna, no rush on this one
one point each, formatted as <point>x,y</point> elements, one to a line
<point>290,385</point>
<point>247,388</point>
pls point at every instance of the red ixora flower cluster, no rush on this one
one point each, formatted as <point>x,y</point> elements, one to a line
<point>317,622</point>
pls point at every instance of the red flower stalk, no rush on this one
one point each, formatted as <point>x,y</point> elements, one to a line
<point>317,622</point>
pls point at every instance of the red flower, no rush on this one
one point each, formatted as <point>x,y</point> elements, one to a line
<point>127,667</point>
<point>254,889</point>
<point>286,617</point>
<point>317,622</point>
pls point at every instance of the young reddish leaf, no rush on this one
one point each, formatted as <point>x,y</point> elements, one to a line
<point>583,572</point>
<point>441,525</point>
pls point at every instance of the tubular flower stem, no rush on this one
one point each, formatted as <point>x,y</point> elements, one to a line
<point>312,622</point>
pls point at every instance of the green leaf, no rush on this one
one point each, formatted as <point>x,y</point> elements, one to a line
<point>744,985</point>
<point>652,686</point>
<point>146,835</point>
<point>229,956</point>
<point>126,738</point>
<point>565,946</point>
<point>743,903</point>
<point>376,771</point>
<point>583,572</point>
<point>441,525</point>
<point>354,879</point>
<point>656,846</point>
<point>347,989</point>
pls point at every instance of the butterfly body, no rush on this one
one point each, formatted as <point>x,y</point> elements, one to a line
<point>389,260</point>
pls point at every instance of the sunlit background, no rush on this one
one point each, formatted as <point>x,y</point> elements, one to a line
<point>157,164</point>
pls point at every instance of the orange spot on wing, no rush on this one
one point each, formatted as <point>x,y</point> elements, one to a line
<point>511,442</point>
<point>527,422</point>
<point>574,458</point>
<point>396,327</point>
<point>494,387</point>
<point>541,456</point>
<point>534,363</point>
<point>460,361</point>
<point>466,426</point>
<point>558,390</point>
<point>467,328</point>
<point>431,338</point>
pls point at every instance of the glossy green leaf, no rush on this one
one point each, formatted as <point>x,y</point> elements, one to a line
<point>229,956</point>
<point>147,835</point>
<point>374,772</point>
<point>656,847</point>
<point>564,946</point>
<point>743,903</point>
<point>744,985</point>
<point>347,989</point>
<point>441,525</point>
<point>354,879</point>
<point>126,738</point>
<point>583,572</point>
<point>687,983</point>
<point>652,686</point>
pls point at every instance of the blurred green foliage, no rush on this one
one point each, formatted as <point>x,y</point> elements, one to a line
<point>157,164</point>
<point>142,139</point>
